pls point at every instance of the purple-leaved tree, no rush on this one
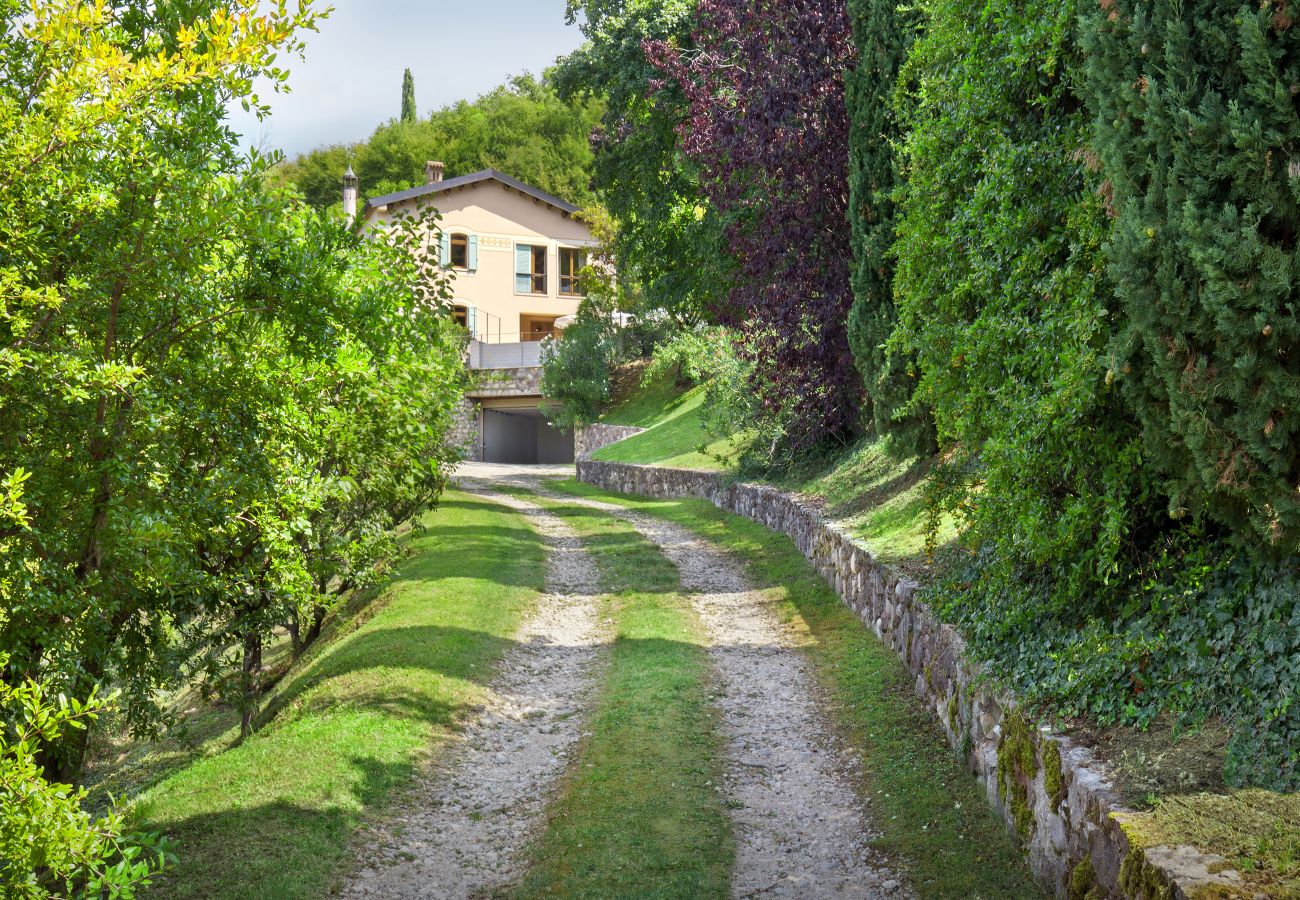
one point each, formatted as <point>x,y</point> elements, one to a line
<point>768,128</point>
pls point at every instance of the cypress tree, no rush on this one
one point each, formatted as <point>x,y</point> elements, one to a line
<point>1197,128</point>
<point>408,97</point>
<point>883,33</point>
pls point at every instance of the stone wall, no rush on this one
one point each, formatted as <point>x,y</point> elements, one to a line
<point>1052,792</point>
<point>522,382</point>
<point>591,438</point>
<point>463,434</point>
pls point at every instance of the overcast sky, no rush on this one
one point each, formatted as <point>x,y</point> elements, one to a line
<point>351,80</point>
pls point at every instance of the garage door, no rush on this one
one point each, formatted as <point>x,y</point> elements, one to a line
<point>524,437</point>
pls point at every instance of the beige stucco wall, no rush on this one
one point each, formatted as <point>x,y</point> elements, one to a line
<point>502,219</point>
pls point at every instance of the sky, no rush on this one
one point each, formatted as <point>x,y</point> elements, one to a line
<point>351,79</point>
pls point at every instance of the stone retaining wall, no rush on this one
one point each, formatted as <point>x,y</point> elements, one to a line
<point>520,382</point>
<point>591,438</point>
<point>463,434</point>
<point>1053,793</point>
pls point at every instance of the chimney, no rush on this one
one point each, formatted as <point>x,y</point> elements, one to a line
<point>433,172</point>
<point>350,194</point>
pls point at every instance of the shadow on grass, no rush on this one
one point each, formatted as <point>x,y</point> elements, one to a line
<point>278,850</point>
<point>444,651</point>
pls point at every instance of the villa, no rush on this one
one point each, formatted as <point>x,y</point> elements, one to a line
<point>516,254</point>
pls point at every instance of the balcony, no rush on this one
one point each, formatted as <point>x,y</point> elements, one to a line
<point>524,355</point>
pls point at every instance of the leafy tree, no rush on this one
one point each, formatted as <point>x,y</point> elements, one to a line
<point>576,370</point>
<point>669,239</point>
<point>768,127</point>
<point>1196,126</point>
<point>218,405</point>
<point>522,128</point>
<point>1002,299</point>
<point>409,113</point>
<point>883,31</point>
<point>112,117</point>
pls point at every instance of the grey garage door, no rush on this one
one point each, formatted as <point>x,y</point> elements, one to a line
<point>524,436</point>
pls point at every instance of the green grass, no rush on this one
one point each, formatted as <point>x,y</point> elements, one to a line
<point>640,813</point>
<point>674,437</point>
<point>648,404</point>
<point>879,499</point>
<point>273,816</point>
<point>932,813</point>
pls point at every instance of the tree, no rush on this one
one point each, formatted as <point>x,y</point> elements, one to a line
<point>217,404</point>
<point>669,238</point>
<point>1196,127</point>
<point>522,128</point>
<point>883,31</point>
<point>409,113</point>
<point>1002,299</point>
<point>768,128</point>
<point>112,117</point>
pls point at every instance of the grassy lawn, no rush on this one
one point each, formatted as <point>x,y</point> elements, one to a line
<point>880,500</point>
<point>640,813</point>
<point>675,433</point>
<point>273,816</point>
<point>932,813</point>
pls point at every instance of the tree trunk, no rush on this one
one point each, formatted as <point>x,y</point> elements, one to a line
<point>251,682</point>
<point>314,630</point>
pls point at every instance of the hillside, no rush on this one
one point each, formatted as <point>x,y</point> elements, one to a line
<point>878,498</point>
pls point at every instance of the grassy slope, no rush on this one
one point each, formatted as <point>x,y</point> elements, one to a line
<point>639,814</point>
<point>879,498</point>
<point>273,816</point>
<point>932,813</point>
<point>675,433</point>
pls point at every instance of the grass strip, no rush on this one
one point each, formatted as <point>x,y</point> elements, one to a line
<point>641,813</point>
<point>273,816</point>
<point>931,812</point>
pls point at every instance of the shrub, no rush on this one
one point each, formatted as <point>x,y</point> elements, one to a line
<point>49,847</point>
<point>1196,126</point>
<point>576,370</point>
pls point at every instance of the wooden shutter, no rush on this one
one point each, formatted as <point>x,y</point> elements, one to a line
<point>444,255</point>
<point>473,252</point>
<point>523,268</point>
<point>471,321</point>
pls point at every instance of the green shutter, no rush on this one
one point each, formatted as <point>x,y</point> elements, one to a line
<point>523,268</point>
<point>444,256</point>
<point>473,252</point>
<point>471,321</point>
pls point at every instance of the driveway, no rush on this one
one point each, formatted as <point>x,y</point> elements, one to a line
<point>505,473</point>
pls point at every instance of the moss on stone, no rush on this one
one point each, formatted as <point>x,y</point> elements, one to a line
<point>1017,766</point>
<point>1053,780</point>
<point>1141,880</point>
<point>1082,879</point>
<point>952,712</point>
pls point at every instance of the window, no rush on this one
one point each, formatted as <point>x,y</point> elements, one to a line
<point>461,315</point>
<point>460,251</point>
<point>572,261</point>
<point>530,269</point>
<point>536,328</point>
